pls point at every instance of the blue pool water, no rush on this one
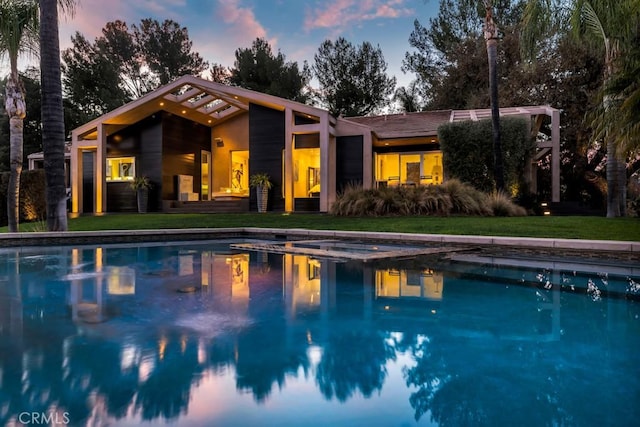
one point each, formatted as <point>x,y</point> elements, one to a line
<point>197,334</point>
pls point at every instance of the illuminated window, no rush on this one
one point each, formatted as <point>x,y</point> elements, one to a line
<point>240,172</point>
<point>409,168</point>
<point>306,172</point>
<point>121,168</point>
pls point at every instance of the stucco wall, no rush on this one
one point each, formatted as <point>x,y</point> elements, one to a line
<point>232,135</point>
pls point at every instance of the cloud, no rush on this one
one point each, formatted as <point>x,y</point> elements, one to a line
<point>340,14</point>
<point>242,19</point>
<point>238,29</point>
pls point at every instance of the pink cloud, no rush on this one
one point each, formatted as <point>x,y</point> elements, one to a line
<point>242,18</point>
<point>340,14</point>
<point>241,28</point>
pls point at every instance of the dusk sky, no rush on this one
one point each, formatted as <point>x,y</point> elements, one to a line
<point>295,27</point>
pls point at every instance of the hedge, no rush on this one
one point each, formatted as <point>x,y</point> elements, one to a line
<point>32,196</point>
<point>467,151</point>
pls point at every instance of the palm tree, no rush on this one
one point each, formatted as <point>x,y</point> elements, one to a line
<point>491,37</point>
<point>18,29</point>
<point>52,113</point>
<point>610,24</point>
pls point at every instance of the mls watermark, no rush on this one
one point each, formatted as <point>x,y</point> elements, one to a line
<point>44,418</point>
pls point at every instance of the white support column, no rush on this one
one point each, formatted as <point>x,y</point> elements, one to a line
<point>76,176</point>
<point>331,189</point>
<point>100,178</point>
<point>555,156</point>
<point>367,160</point>
<point>325,163</point>
<point>288,161</point>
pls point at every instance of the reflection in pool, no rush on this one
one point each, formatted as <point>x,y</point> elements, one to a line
<point>200,335</point>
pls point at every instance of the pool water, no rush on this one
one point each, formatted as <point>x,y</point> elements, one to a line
<point>198,334</point>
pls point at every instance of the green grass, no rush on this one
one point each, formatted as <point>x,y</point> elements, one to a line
<point>595,228</point>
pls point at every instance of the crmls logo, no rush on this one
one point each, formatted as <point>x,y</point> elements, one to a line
<point>42,418</point>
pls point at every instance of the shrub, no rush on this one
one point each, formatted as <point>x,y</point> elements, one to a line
<point>32,196</point>
<point>452,197</point>
<point>501,205</point>
<point>467,152</point>
<point>465,199</point>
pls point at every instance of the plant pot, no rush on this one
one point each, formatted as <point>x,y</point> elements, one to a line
<point>142,196</point>
<point>262,194</point>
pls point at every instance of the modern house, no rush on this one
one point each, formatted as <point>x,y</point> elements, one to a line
<point>199,142</point>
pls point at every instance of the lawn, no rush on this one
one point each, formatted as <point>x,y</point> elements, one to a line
<point>571,227</point>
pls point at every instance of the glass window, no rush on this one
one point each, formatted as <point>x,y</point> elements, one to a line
<point>240,172</point>
<point>306,172</point>
<point>409,168</point>
<point>121,168</point>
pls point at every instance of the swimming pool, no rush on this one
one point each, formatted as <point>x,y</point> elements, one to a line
<point>200,334</point>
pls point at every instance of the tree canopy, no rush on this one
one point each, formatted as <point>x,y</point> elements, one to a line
<point>353,79</point>
<point>125,63</point>
<point>258,68</point>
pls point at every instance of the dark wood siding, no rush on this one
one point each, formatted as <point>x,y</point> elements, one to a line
<point>87,181</point>
<point>121,198</point>
<point>183,142</point>
<point>309,140</point>
<point>144,141</point>
<point>307,204</point>
<point>266,142</point>
<point>348,161</point>
<point>406,148</point>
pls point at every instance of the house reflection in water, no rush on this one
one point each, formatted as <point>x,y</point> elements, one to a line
<point>261,321</point>
<point>86,289</point>
<point>395,283</point>
<point>308,283</point>
<point>226,277</point>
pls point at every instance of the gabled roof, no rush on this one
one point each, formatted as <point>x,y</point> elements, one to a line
<point>406,125</point>
<point>426,123</point>
<point>202,101</point>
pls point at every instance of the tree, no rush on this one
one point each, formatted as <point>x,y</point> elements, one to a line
<point>18,29</point>
<point>88,79</point>
<point>125,63</point>
<point>448,55</point>
<point>220,74</point>
<point>32,134</point>
<point>353,80</point>
<point>257,68</point>
<point>166,49</point>
<point>52,113</point>
<point>491,36</point>
<point>609,25</point>
<point>409,97</point>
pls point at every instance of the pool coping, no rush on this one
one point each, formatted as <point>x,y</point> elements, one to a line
<point>121,236</point>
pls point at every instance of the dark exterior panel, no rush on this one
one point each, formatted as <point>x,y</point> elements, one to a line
<point>144,141</point>
<point>309,140</point>
<point>266,143</point>
<point>87,181</point>
<point>311,204</point>
<point>121,198</point>
<point>406,148</point>
<point>183,142</point>
<point>349,158</point>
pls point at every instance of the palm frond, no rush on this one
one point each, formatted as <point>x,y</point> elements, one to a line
<point>18,29</point>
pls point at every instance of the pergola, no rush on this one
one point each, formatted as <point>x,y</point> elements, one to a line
<point>549,143</point>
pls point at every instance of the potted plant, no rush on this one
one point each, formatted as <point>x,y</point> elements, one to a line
<point>141,185</point>
<point>262,184</point>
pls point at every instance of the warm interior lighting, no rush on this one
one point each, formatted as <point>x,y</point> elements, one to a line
<point>121,168</point>
<point>162,104</point>
<point>184,111</point>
